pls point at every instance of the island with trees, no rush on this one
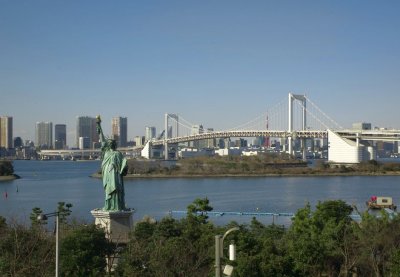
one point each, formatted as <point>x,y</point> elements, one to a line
<point>7,171</point>
<point>262,165</point>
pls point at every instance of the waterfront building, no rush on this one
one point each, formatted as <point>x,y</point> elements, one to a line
<point>150,133</point>
<point>139,140</point>
<point>119,130</point>
<point>60,136</point>
<point>362,126</point>
<point>18,142</point>
<point>346,151</point>
<point>44,135</point>
<point>196,130</point>
<point>6,132</point>
<point>240,143</point>
<point>86,127</point>
<point>84,143</point>
<point>211,143</point>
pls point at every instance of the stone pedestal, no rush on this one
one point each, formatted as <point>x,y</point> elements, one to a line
<point>116,224</point>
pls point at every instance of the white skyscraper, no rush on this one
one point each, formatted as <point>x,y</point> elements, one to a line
<point>44,135</point>
<point>150,133</point>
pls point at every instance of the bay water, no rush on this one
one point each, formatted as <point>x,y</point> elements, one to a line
<point>45,183</point>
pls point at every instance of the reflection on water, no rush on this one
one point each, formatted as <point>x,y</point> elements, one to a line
<point>44,183</point>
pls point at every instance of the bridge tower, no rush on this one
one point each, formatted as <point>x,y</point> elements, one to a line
<point>292,135</point>
<point>171,130</point>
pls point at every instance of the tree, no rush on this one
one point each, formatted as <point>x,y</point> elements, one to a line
<point>25,252</point>
<point>315,239</point>
<point>64,210</point>
<point>198,209</point>
<point>83,251</point>
<point>168,248</point>
<point>6,168</point>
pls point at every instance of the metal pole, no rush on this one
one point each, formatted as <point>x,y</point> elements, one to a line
<point>57,249</point>
<point>217,256</point>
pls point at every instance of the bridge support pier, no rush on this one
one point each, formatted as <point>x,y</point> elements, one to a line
<point>303,146</point>
<point>290,146</point>
<point>165,150</point>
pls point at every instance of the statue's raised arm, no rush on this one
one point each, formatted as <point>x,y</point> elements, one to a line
<point>100,130</point>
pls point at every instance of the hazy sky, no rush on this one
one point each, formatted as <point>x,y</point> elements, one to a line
<point>219,63</point>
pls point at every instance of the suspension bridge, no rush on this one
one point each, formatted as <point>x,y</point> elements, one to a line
<point>294,118</point>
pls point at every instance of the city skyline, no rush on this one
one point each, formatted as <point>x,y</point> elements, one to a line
<point>218,64</point>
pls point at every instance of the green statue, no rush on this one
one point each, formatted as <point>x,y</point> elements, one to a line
<point>113,168</point>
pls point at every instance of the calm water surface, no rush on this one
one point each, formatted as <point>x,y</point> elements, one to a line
<point>44,183</point>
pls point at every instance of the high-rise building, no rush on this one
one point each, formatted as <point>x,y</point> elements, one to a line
<point>6,132</point>
<point>196,130</point>
<point>18,142</point>
<point>44,135</point>
<point>60,136</point>
<point>150,133</point>
<point>139,140</point>
<point>211,143</point>
<point>119,130</point>
<point>86,127</point>
<point>84,143</point>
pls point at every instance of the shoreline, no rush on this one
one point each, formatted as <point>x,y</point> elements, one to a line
<point>346,174</point>
<point>9,178</point>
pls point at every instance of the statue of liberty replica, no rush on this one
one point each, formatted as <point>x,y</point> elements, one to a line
<point>113,168</point>
<point>114,217</point>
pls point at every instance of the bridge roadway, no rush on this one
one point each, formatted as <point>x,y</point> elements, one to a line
<point>93,153</point>
<point>244,134</point>
<point>380,135</point>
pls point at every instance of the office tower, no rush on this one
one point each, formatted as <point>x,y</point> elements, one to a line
<point>6,132</point>
<point>139,140</point>
<point>84,143</point>
<point>196,130</point>
<point>18,142</point>
<point>60,136</point>
<point>119,130</point>
<point>44,135</point>
<point>211,143</point>
<point>150,133</point>
<point>86,127</point>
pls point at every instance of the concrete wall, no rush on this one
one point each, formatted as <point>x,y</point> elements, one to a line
<point>341,150</point>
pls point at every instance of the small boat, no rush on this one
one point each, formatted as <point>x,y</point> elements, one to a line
<point>381,202</point>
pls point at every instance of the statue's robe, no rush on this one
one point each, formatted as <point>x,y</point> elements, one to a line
<point>112,167</point>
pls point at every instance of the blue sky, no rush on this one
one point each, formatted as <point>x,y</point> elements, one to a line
<point>219,63</point>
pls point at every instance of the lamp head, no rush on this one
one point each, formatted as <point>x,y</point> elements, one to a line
<point>41,217</point>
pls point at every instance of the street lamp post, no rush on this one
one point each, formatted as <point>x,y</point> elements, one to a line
<point>219,250</point>
<point>42,217</point>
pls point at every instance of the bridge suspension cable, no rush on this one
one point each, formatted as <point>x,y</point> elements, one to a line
<point>277,118</point>
<point>324,114</point>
